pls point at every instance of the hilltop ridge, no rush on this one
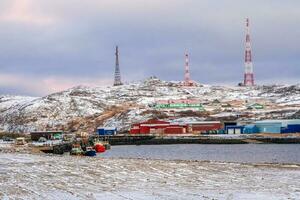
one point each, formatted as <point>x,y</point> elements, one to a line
<point>85,108</point>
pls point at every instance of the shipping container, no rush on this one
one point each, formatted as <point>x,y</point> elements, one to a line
<point>107,130</point>
<point>292,128</point>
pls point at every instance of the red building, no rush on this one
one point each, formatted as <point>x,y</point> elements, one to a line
<point>176,129</point>
<point>163,127</point>
<point>205,126</point>
<point>151,126</point>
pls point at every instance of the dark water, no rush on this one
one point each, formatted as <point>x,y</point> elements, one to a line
<point>246,153</point>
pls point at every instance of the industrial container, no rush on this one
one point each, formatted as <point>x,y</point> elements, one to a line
<point>107,130</point>
<point>292,128</point>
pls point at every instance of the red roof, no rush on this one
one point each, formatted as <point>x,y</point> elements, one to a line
<point>155,121</point>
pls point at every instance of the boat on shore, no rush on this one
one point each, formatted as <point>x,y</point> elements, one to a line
<point>101,146</point>
<point>90,152</point>
<point>76,150</point>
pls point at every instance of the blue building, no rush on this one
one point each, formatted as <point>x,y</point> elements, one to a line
<point>250,129</point>
<point>278,126</point>
<point>265,126</point>
<point>107,130</point>
<point>269,126</point>
<point>290,126</point>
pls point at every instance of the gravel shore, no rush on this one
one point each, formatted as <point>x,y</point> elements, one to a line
<point>28,176</point>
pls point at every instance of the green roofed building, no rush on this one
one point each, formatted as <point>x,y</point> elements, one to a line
<point>197,106</point>
<point>256,106</point>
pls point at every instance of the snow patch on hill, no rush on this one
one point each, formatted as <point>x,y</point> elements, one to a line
<point>23,114</point>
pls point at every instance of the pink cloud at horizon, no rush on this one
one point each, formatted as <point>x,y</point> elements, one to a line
<point>47,85</point>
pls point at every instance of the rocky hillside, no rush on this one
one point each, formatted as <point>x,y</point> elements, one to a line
<point>85,108</point>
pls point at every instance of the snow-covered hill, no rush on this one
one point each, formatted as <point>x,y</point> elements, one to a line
<point>85,108</point>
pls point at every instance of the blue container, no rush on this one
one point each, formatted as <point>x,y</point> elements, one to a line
<point>107,131</point>
<point>292,128</point>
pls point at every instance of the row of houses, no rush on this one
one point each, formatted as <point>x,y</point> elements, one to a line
<point>179,104</point>
<point>195,104</point>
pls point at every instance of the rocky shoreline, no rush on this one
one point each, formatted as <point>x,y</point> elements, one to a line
<point>26,174</point>
<point>29,176</point>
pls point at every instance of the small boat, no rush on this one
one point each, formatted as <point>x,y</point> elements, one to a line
<point>101,146</point>
<point>90,151</point>
<point>76,150</point>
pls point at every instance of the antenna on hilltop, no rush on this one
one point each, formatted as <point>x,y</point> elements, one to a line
<point>187,76</point>
<point>249,75</point>
<point>117,80</point>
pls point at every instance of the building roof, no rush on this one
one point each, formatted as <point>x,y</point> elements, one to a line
<point>46,132</point>
<point>283,122</point>
<point>154,121</point>
<point>234,126</point>
<point>204,122</point>
<point>107,128</point>
<point>175,101</point>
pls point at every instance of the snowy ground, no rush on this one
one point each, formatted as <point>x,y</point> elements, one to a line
<point>26,176</point>
<point>78,108</point>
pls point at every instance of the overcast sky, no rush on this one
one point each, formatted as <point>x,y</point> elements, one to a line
<point>51,45</point>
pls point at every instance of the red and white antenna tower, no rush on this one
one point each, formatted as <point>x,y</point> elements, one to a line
<point>187,78</point>
<point>248,76</point>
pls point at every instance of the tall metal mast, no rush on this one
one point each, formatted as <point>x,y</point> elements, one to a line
<point>248,76</point>
<point>117,80</point>
<point>187,78</point>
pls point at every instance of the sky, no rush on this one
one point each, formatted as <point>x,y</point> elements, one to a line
<point>51,45</point>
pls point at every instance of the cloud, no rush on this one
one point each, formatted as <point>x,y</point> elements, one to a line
<point>75,40</point>
<point>38,86</point>
<point>21,11</point>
